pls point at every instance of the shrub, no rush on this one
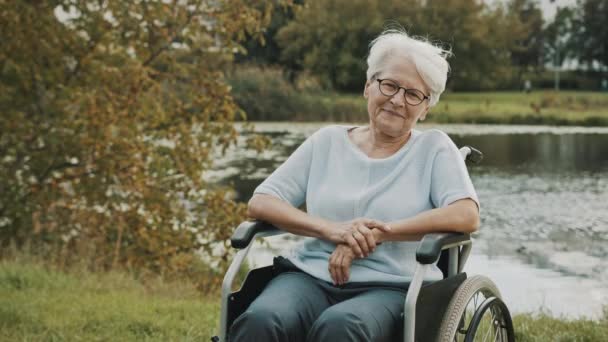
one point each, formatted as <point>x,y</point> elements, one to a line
<point>108,126</point>
<point>263,93</point>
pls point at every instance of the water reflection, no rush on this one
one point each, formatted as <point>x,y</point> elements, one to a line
<point>544,152</point>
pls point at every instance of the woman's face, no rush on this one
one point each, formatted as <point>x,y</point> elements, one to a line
<point>392,115</point>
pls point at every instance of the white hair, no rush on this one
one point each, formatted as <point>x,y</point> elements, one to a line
<point>429,59</point>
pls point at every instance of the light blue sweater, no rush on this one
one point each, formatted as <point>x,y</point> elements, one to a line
<point>340,183</point>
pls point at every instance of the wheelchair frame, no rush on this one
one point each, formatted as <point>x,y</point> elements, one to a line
<point>428,252</point>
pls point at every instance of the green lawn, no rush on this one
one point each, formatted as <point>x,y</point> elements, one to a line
<point>41,305</point>
<point>540,107</point>
<point>37,304</point>
<point>550,107</point>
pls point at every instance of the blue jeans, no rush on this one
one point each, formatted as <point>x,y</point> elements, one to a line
<point>298,307</point>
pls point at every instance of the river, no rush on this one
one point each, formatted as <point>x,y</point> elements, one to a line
<point>544,208</point>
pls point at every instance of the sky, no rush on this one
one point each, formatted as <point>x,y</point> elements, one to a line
<point>547,6</point>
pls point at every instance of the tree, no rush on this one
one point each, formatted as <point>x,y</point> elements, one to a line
<point>481,39</point>
<point>111,113</point>
<point>559,36</point>
<point>528,52</point>
<point>591,33</point>
<point>266,51</point>
<point>330,38</point>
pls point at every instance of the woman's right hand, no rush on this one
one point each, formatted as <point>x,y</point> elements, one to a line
<point>357,234</point>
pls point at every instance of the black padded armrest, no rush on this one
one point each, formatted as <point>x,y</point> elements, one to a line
<point>431,245</point>
<point>475,156</point>
<point>245,232</point>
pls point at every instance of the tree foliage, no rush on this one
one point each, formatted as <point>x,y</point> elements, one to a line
<point>266,50</point>
<point>330,38</point>
<point>111,111</point>
<point>591,33</point>
<point>481,38</point>
<point>528,51</point>
<point>559,37</point>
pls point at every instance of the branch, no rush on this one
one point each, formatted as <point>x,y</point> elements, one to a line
<point>90,172</point>
<point>71,177</point>
<point>174,36</point>
<point>36,92</point>
<point>53,168</point>
<point>92,46</point>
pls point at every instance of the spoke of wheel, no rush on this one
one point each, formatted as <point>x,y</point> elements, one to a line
<point>473,310</point>
<point>501,325</point>
<point>462,325</point>
<point>488,333</point>
<point>493,313</point>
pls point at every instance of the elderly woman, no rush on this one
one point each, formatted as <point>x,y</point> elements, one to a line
<point>371,192</point>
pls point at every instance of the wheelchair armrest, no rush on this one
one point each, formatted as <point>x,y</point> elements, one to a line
<point>474,155</point>
<point>247,230</point>
<point>431,245</point>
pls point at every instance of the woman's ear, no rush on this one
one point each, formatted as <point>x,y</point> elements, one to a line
<point>423,116</point>
<point>365,90</point>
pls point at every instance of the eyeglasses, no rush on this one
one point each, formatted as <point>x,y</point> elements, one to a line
<point>389,88</point>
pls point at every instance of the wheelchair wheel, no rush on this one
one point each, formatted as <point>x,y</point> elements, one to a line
<point>476,313</point>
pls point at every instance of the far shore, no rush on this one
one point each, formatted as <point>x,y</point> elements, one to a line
<point>542,107</point>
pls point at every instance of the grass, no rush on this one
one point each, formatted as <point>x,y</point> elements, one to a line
<point>40,304</point>
<point>542,327</point>
<point>540,107</point>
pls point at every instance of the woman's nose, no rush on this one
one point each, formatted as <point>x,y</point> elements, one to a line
<point>399,98</point>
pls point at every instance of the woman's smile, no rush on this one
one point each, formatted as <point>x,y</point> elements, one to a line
<point>393,113</point>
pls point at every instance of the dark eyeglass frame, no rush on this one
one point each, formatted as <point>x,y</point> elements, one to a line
<point>406,91</point>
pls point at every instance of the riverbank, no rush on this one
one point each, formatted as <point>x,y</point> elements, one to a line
<point>569,108</point>
<point>536,108</point>
<point>40,304</point>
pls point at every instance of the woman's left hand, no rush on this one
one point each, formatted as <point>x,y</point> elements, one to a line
<point>339,264</point>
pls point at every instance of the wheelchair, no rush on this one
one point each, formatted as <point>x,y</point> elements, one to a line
<point>456,308</point>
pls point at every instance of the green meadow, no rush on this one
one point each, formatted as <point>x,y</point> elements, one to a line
<point>42,304</point>
<point>536,108</point>
<point>38,304</point>
<point>543,107</point>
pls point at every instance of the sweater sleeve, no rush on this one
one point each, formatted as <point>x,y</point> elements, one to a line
<point>290,180</point>
<point>450,179</point>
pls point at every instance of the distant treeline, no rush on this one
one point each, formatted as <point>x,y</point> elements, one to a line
<point>266,94</point>
<point>496,47</point>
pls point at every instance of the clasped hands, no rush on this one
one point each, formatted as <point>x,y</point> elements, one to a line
<point>354,239</point>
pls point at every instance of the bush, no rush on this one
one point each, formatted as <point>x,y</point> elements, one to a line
<point>108,130</point>
<point>265,94</point>
<point>569,80</point>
